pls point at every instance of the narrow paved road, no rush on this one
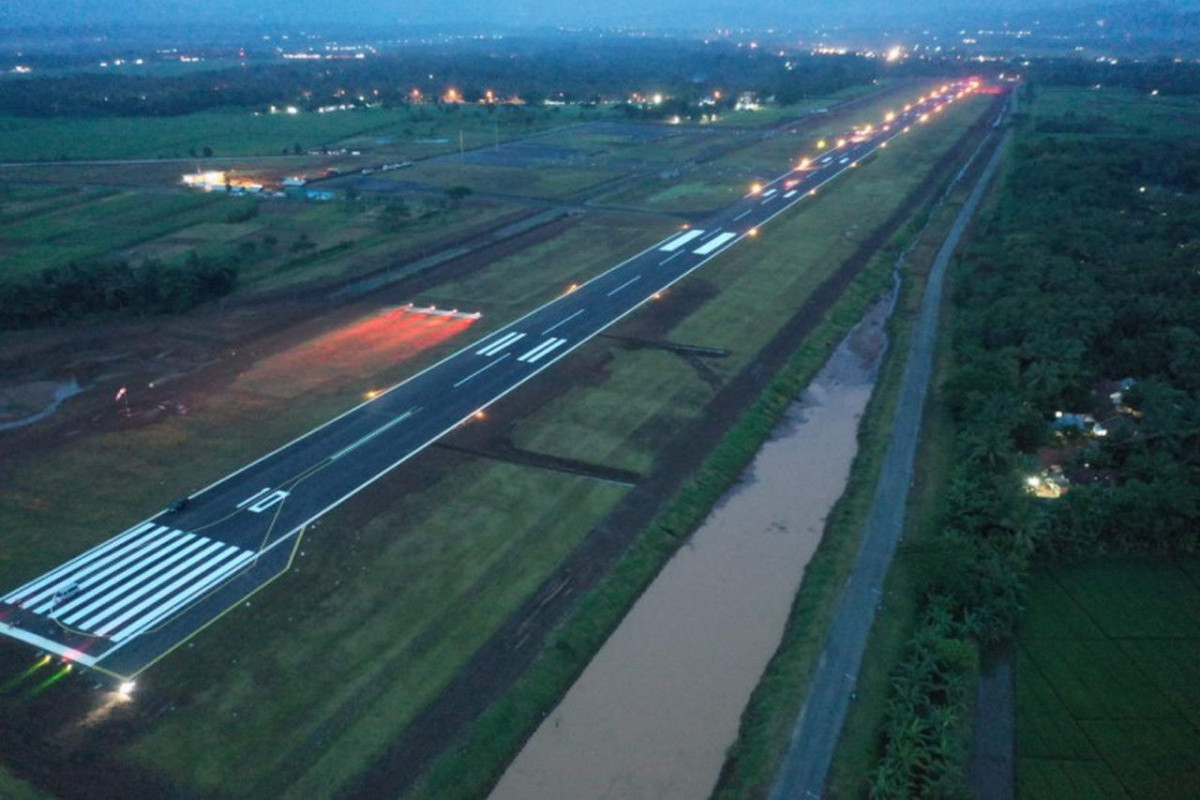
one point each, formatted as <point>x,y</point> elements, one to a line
<point>806,765</point>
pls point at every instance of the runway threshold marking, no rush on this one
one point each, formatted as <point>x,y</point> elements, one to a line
<point>680,241</point>
<point>565,320</point>
<point>484,368</point>
<point>634,279</point>
<point>542,349</point>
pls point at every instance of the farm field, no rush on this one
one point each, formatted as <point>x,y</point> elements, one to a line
<point>1108,682</point>
<point>412,131</point>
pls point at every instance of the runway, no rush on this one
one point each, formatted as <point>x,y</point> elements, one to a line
<point>127,602</point>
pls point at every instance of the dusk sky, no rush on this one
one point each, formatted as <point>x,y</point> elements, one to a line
<point>657,13</point>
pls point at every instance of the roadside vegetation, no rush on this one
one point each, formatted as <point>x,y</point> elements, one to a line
<point>1081,274</point>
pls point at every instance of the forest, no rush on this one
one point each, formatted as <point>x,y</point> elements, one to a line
<point>112,286</point>
<point>1084,274</point>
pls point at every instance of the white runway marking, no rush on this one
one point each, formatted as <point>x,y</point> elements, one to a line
<point>146,573</point>
<point>78,561</point>
<point>541,350</point>
<point>484,368</point>
<point>565,320</point>
<point>744,213</point>
<point>769,192</point>
<point>710,234</point>
<point>792,193</point>
<point>680,241</point>
<point>708,247</point>
<point>381,429</point>
<point>500,344</point>
<point>253,497</point>
<point>623,285</point>
<point>668,258</point>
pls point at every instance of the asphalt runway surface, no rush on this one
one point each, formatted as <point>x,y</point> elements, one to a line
<point>127,602</point>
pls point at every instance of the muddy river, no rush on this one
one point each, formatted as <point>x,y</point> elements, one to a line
<point>654,712</point>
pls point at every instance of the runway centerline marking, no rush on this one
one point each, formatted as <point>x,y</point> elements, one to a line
<point>565,320</point>
<point>372,435</point>
<point>744,213</point>
<point>634,279</point>
<point>668,258</point>
<point>484,368</point>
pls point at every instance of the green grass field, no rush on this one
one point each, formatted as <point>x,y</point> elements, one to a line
<point>1108,112</point>
<point>240,132</point>
<point>1108,682</point>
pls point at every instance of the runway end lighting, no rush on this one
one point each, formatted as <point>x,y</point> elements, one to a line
<point>752,232</point>
<point>853,164</point>
<point>883,144</point>
<point>479,414</point>
<point>572,287</point>
<point>812,193</point>
<point>372,394</point>
<point>756,188</point>
<point>686,225</point>
<point>656,296</point>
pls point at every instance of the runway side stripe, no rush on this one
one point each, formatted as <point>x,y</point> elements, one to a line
<point>193,591</point>
<point>141,591</point>
<point>680,241</point>
<point>79,560</point>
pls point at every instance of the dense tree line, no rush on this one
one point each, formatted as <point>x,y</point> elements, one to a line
<point>1165,76</point>
<point>113,286</point>
<point>532,69</point>
<point>1087,270</point>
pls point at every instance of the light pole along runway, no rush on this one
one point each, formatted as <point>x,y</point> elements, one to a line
<point>122,605</point>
